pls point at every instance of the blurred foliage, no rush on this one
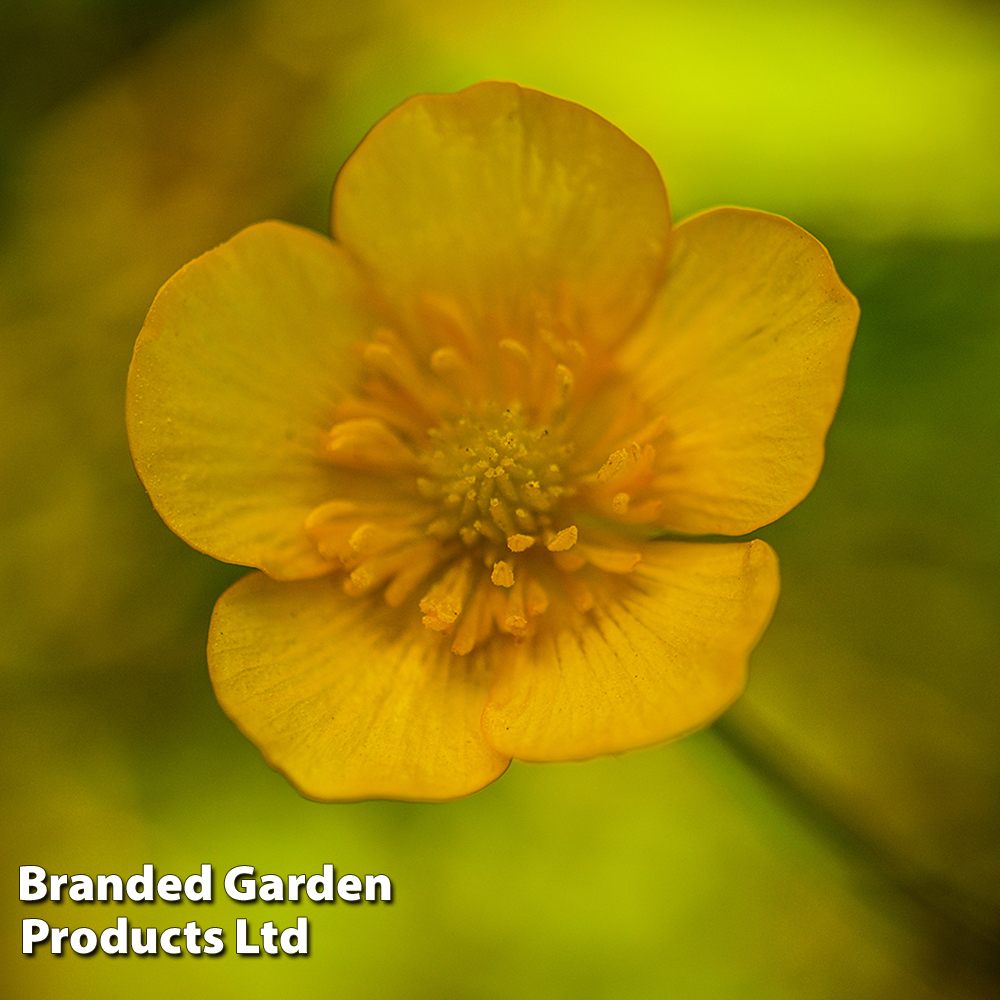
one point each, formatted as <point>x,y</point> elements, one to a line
<point>876,686</point>
<point>836,834</point>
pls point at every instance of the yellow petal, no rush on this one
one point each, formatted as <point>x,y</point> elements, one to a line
<point>663,657</point>
<point>348,698</point>
<point>231,391</point>
<point>744,356</point>
<point>499,209</point>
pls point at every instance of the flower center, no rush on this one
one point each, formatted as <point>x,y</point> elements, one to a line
<point>473,505</point>
<point>494,478</point>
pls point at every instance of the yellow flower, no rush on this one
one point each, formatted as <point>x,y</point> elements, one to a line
<point>450,436</point>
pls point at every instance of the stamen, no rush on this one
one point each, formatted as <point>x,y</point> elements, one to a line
<point>443,527</point>
<point>369,539</point>
<point>617,462</point>
<point>550,338</point>
<point>453,369</point>
<point>562,540</point>
<point>333,541</point>
<point>442,315</point>
<point>611,560</point>
<point>536,497</point>
<point>377,570</point>
<point>630,467</point>
<point>497,603</point>
<point>389,356</point>
<point>507,488</point>
<point>401,418</point>
<point>423,560</point>
<point>516,370</point>
<point>369,443</point>
<point>333,510</point>
<point>503,574</point>
<point>525,520</point>
<point>564,384</point>
<point>501,516</point>
<point>516,622</point>
<point>446,361</point>
<point>477,622</point>
<point>515,349</point>
<point>640,513</point>
<point>330,526</point>
<point>444,601</point>
<point>518,543</point>
<point>536,598</point>
<point>488,530</point>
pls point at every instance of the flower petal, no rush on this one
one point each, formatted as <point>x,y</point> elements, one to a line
<point>744,355</point>
<point>348,698</point>
<point>498,209</point>
<point>233,382</point>
<point>662,658</point>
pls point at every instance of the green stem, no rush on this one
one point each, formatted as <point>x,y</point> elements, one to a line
<point>962,933</point>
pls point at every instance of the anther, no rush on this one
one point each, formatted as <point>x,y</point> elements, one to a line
<point>516,620</point>
<point>446,361</point>
<point>368,442</point>
<point>369,538</point>
<point>563,540</point>
<point>515,349</point>
<point>443,603</point>
<point>564,383</point>
<point>502,574</point>
<point>477,622</point>
<point>501,516</point>
<point>519,543</point>
<point>617,462</point>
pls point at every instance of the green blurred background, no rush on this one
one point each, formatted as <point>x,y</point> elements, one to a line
<point>835,835</point>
